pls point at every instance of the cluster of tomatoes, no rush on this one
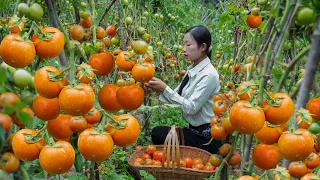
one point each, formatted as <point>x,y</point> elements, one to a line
<point>153,157</point>
<point>238,111</point>
<point>69,109</point>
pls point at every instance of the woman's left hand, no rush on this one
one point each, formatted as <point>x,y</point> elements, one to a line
<point>156,85</point>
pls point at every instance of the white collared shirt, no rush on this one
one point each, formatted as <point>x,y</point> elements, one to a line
<point>196,97</point>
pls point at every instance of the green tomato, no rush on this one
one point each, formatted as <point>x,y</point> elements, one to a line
<point>35,12</point>
<point>146,37</point>
<point>23,9</point>
<point>26,97</point>
<point>115,40</point>
<point>287,45</point>
<point>128,20</point>
<point>306,16</point>
<point>126,2</point>
<point>140,47</point>
<point>314,128</point>
<point>150,48</point>
<point>156,15</point>
<point>141,30</point>
<point>31,84</point>
<point>22,78</point>
<point>145,14</point>
<point>175,46</point>
<point>143,18</point>
<point>161,17</point>
<point>225,67</point>
<point>180,47</point>
<point>84,14</point>
<point>159,43</point>
<point>84,5</point>
<point>262,2</point>
<point>6,66</point>
<point>232,44</point>
<point>116,18</point>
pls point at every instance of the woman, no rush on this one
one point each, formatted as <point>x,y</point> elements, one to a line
<point>194,94</point>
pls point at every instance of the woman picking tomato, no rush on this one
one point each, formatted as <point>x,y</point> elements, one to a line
<point>194,94</point>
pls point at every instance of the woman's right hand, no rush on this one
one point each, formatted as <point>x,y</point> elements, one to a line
<point>147,89</point>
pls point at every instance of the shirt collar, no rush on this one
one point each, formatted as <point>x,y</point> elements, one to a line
<point>192,71</point>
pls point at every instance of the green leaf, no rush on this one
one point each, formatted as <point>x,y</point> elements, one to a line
<point>143,173</point>
<point>122,158</point>
<point>19,104</point>
<point>3,77</point>
<point>24,118</point>
<point>277,73</point>
<point>8,110</point>
<point>78,162</point>
<point>4,3</point>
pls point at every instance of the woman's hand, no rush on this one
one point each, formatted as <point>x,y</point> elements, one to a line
<point>156,85</point>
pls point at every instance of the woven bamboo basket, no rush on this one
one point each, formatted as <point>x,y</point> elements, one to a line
<point>175,173</point>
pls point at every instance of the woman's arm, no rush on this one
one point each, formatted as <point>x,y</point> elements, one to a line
<point>201,94</point>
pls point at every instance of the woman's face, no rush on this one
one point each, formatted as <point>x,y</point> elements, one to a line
<point>190,50</point>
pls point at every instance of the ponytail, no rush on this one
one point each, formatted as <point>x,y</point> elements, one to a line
<point>209,53</point>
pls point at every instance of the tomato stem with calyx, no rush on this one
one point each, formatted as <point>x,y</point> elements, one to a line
<point>39,135</point>
<point>50,140</point>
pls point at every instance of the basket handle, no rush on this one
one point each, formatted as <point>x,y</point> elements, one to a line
<point>180,134</point>
<point>171,145</point>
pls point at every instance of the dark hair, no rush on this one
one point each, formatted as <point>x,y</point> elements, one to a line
<point>202,35</point>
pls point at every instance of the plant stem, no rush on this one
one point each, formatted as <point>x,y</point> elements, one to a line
<point>53,16</point>
<point>224,161</point>
<point>290,67</point>
<point>106,11</point>
<point>93,28</point>
<point>16,6</point>
<point>24,173</point>
<point>309,75</point>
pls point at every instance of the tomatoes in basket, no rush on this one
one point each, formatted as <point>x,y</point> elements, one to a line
<point>145,156</point>
<point>157,155</point>
<point>151,149</point>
